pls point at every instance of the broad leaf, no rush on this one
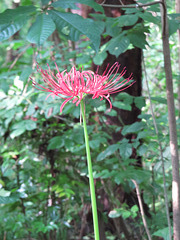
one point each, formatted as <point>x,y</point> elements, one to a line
<point>164,233</point>
<point>12,20</point>
<point>109,151</point>
<point>10,199</point>
<point>4,193</point>
<point>147,16</point>
<point>133,128</point>
<point>72,4</point>
<point>44,2</point>
<point>73,25</point>
<point>136,33</point>
<point>30,125</point>
<point>125,150</point>
<point>111,27</point>
<point>9,29</point>
<point>122,105</point>
<point>105,173</point>
<point>56,142</point>
<point>100,57</point>
<point>11,14</point>
<point>159,100</point>
<point>127,20</point>
<point>118,45</point>
<point>17,132</point>
<point>41,29</point>
<point>20,127</point>
<point>139,102</point>
<point>114,213</point>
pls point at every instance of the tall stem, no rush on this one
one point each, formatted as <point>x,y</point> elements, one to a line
<point>91,180</point>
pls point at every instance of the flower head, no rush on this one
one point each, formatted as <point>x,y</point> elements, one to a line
<point>75,85</point>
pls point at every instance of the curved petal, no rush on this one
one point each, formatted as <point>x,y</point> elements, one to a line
<point>64,103</point>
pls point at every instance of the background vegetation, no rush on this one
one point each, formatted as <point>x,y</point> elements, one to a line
<point>44,191</point>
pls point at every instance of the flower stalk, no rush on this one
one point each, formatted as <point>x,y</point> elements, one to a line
<point>90,172</point>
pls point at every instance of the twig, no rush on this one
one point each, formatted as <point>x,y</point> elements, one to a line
<point>18,56</point>
<point>161,152</point>
<point>141,209</point>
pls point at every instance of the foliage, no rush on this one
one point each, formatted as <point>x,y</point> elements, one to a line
<point>43,177</point>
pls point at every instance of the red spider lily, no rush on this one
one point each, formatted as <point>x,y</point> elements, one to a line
<point>75,85</point>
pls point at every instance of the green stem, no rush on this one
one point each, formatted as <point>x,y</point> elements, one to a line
<point>91,180</point>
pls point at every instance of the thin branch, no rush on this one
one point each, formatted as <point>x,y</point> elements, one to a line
<point>161,152</point>
<point>18,56</point>
<point>141,209</point>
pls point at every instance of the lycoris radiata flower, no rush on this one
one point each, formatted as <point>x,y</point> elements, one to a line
<point>75,85</point>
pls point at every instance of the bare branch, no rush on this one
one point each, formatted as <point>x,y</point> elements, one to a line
<point>141,209</point>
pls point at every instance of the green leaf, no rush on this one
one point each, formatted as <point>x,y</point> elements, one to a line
<point>142,150</point>
<point>139,102</point>
<point>164,233</point>
<point>111,27</point>
<point>114,213</point>
<point>147,16</point>
<point>44,2</point>
<point>117,212</point>
<point>173,22</point>
<point>109,151</point>
<point>25,73</point>
<point>100,57</point>
<point>12,20</point>
<point>10,14</point>
<point>133,128</point>
<point>134,39</point>
<point>119,178</point>
<point>20,127</point>
<point>17,132</point>
<point>127,20</point>
<point>118,45</point>
<point>30,125</point>
<point>11,28</point>
<point>72,4</point>
<point>72,26</point>
<point>125,97</point>
<point>105,173</point>
<point>55,143</point>
<point>136,33</point>
<point>159,100</point>
<point>138,174</point>
<point>94,143</point>
<point>126,214</point>
<point>122,105</point>
<point>7,200</point>
<point>125,150</point>
<point>41,29</point>
<point>4,193</point>
<point>134,208</point>
<point>112,113</point>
